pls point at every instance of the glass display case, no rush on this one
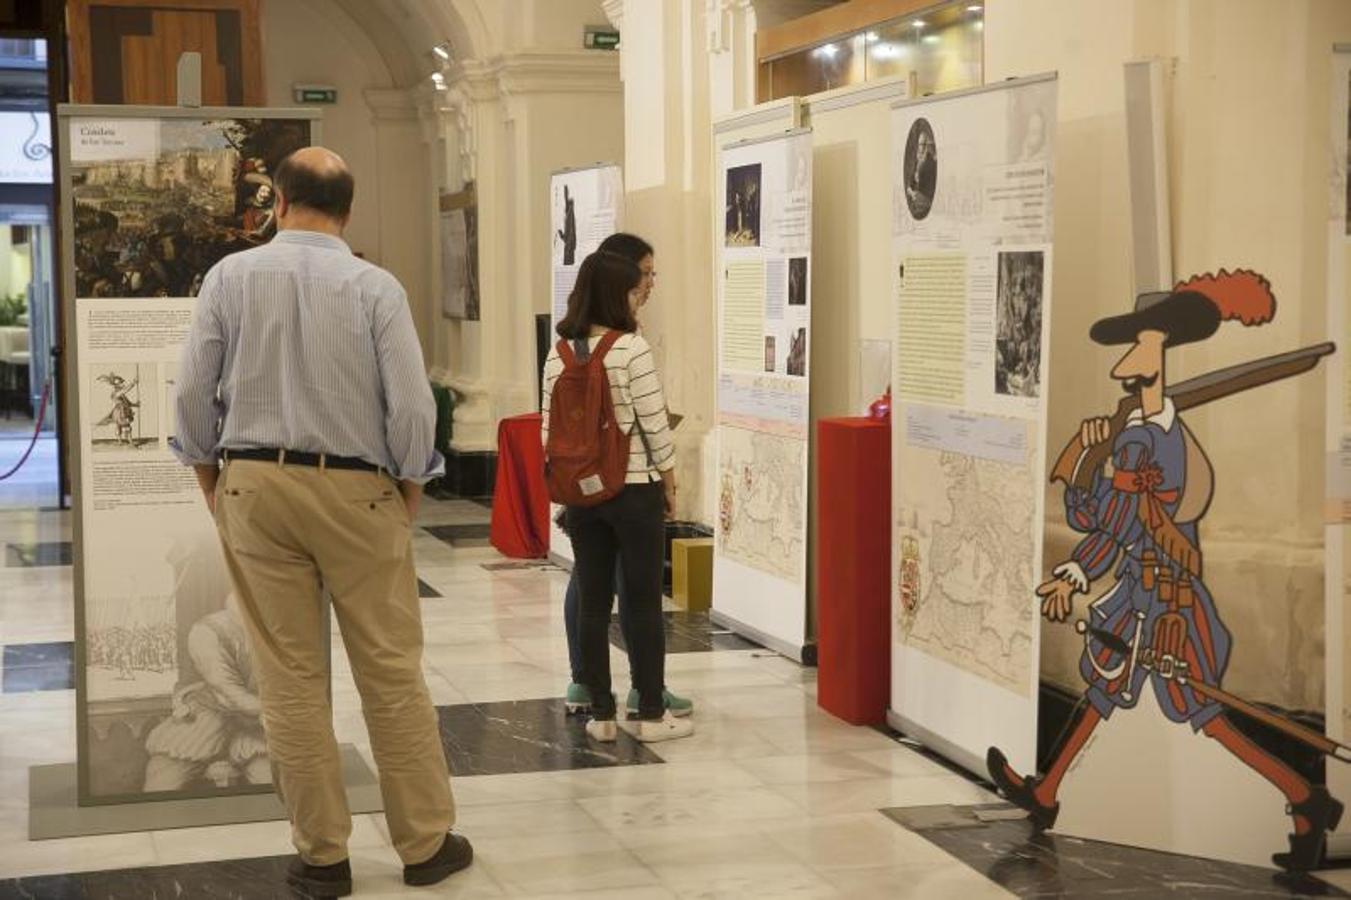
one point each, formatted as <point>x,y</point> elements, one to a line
<point>941,47</point>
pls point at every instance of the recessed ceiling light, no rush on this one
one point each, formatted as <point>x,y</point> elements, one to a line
<point>871,36</point>
<point>931,39</point>
<point>975,7</point>
<point>442,52</point>
<point>918,23</point>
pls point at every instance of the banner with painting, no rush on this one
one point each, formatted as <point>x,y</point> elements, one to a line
<point>167,701</point>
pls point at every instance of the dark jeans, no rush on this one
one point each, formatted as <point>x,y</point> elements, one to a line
<point>571,619</point>
<point>630,529</point>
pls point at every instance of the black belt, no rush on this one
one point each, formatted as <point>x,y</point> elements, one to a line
<point>300,458</point>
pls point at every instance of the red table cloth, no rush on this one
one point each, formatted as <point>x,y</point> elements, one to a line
<point>520,524</point>
<point>853,568</point>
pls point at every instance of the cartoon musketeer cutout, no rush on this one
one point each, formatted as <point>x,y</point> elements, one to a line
<point>1157,628</point>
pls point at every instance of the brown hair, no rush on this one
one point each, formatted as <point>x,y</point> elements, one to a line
<point>601,296</point>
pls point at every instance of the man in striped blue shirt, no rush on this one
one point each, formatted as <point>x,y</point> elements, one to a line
<point>303,405</point>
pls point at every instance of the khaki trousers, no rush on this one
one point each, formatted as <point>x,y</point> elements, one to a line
<point>290,532</point>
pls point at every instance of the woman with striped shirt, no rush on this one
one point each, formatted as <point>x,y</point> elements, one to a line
<point>630,527</point>
<point>578,697</point>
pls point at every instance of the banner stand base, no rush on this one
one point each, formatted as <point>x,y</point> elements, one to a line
<point>804,654</point>
<point>944,748</point>
<point>54,811</point>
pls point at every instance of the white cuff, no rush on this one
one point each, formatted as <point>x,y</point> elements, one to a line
<point>1073,573</point>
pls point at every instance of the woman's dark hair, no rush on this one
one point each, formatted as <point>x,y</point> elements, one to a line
<point>601,296</point>
<point>629,246</point>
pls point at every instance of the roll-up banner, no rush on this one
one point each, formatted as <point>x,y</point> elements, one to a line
<point>760,572</point>
<point>167,704</point>
<point>972,195</point>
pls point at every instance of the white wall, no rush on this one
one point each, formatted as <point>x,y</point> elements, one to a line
<point>316,42</point>
<point>1248,171</point>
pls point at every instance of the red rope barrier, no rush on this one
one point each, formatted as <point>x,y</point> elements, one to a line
<point>37,429</point>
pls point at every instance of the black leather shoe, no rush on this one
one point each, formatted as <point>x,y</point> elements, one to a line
<point>1020,795</point>
<point>1323,814</point>
<point>320,881</point>
<point>455,854</point>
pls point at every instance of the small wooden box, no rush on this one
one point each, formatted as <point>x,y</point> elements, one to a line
<point>692,573</point>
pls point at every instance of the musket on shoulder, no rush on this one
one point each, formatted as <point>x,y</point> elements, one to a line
<point>1077,464</point>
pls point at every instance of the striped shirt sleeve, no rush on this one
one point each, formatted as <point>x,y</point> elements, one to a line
<point>198,407</point>
<point>641,387</point>
<point>410,409</point>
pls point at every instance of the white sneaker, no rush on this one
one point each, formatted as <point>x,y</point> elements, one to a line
<point>667,728</point>
<point>603,730</point>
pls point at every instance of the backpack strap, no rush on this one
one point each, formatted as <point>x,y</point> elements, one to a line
<point>565,353</point>
<point>606,343</point>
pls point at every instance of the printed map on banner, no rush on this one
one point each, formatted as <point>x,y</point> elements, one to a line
<point>761,497</point>
<point>967,545</point>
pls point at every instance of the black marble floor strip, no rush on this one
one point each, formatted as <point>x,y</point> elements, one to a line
<point>42,553</point>
<point>528,736</point>
<point>37,667</point>
<point>1038,865</point>
<point>461,536</point>
<point>426,591</point>
<point>518,565</point>
<point>237,879</point>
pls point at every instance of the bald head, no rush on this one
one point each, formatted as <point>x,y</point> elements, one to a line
<point>314,181</point>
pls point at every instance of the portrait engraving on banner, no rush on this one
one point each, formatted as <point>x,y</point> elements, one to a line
<point>742,217</point>
<point>920,169</point>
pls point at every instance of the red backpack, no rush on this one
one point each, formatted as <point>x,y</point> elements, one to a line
<point>586,458</point>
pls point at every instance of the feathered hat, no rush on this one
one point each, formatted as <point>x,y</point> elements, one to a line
<point>1193,310</point>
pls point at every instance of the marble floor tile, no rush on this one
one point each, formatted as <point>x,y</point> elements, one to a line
<point>626,811</point>
<point>811,769</point>
<point>528,736</point>
<point>41,553</point>
<point>819,733</point>
<point>562,863</point>
<point>864,795</point>
<point>720,858</point>
<point>853,841</point>
<point>426,591</point>
<point>38,667</point>
<point>504,820</point>
<point>747,703</point>
<point>84,854</point>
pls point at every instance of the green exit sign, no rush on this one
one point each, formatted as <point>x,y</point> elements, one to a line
<point>314,93</point>
<point>600,39</point>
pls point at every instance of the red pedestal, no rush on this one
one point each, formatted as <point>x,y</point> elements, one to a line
<point>853,568</point>
<point>520,526</point>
